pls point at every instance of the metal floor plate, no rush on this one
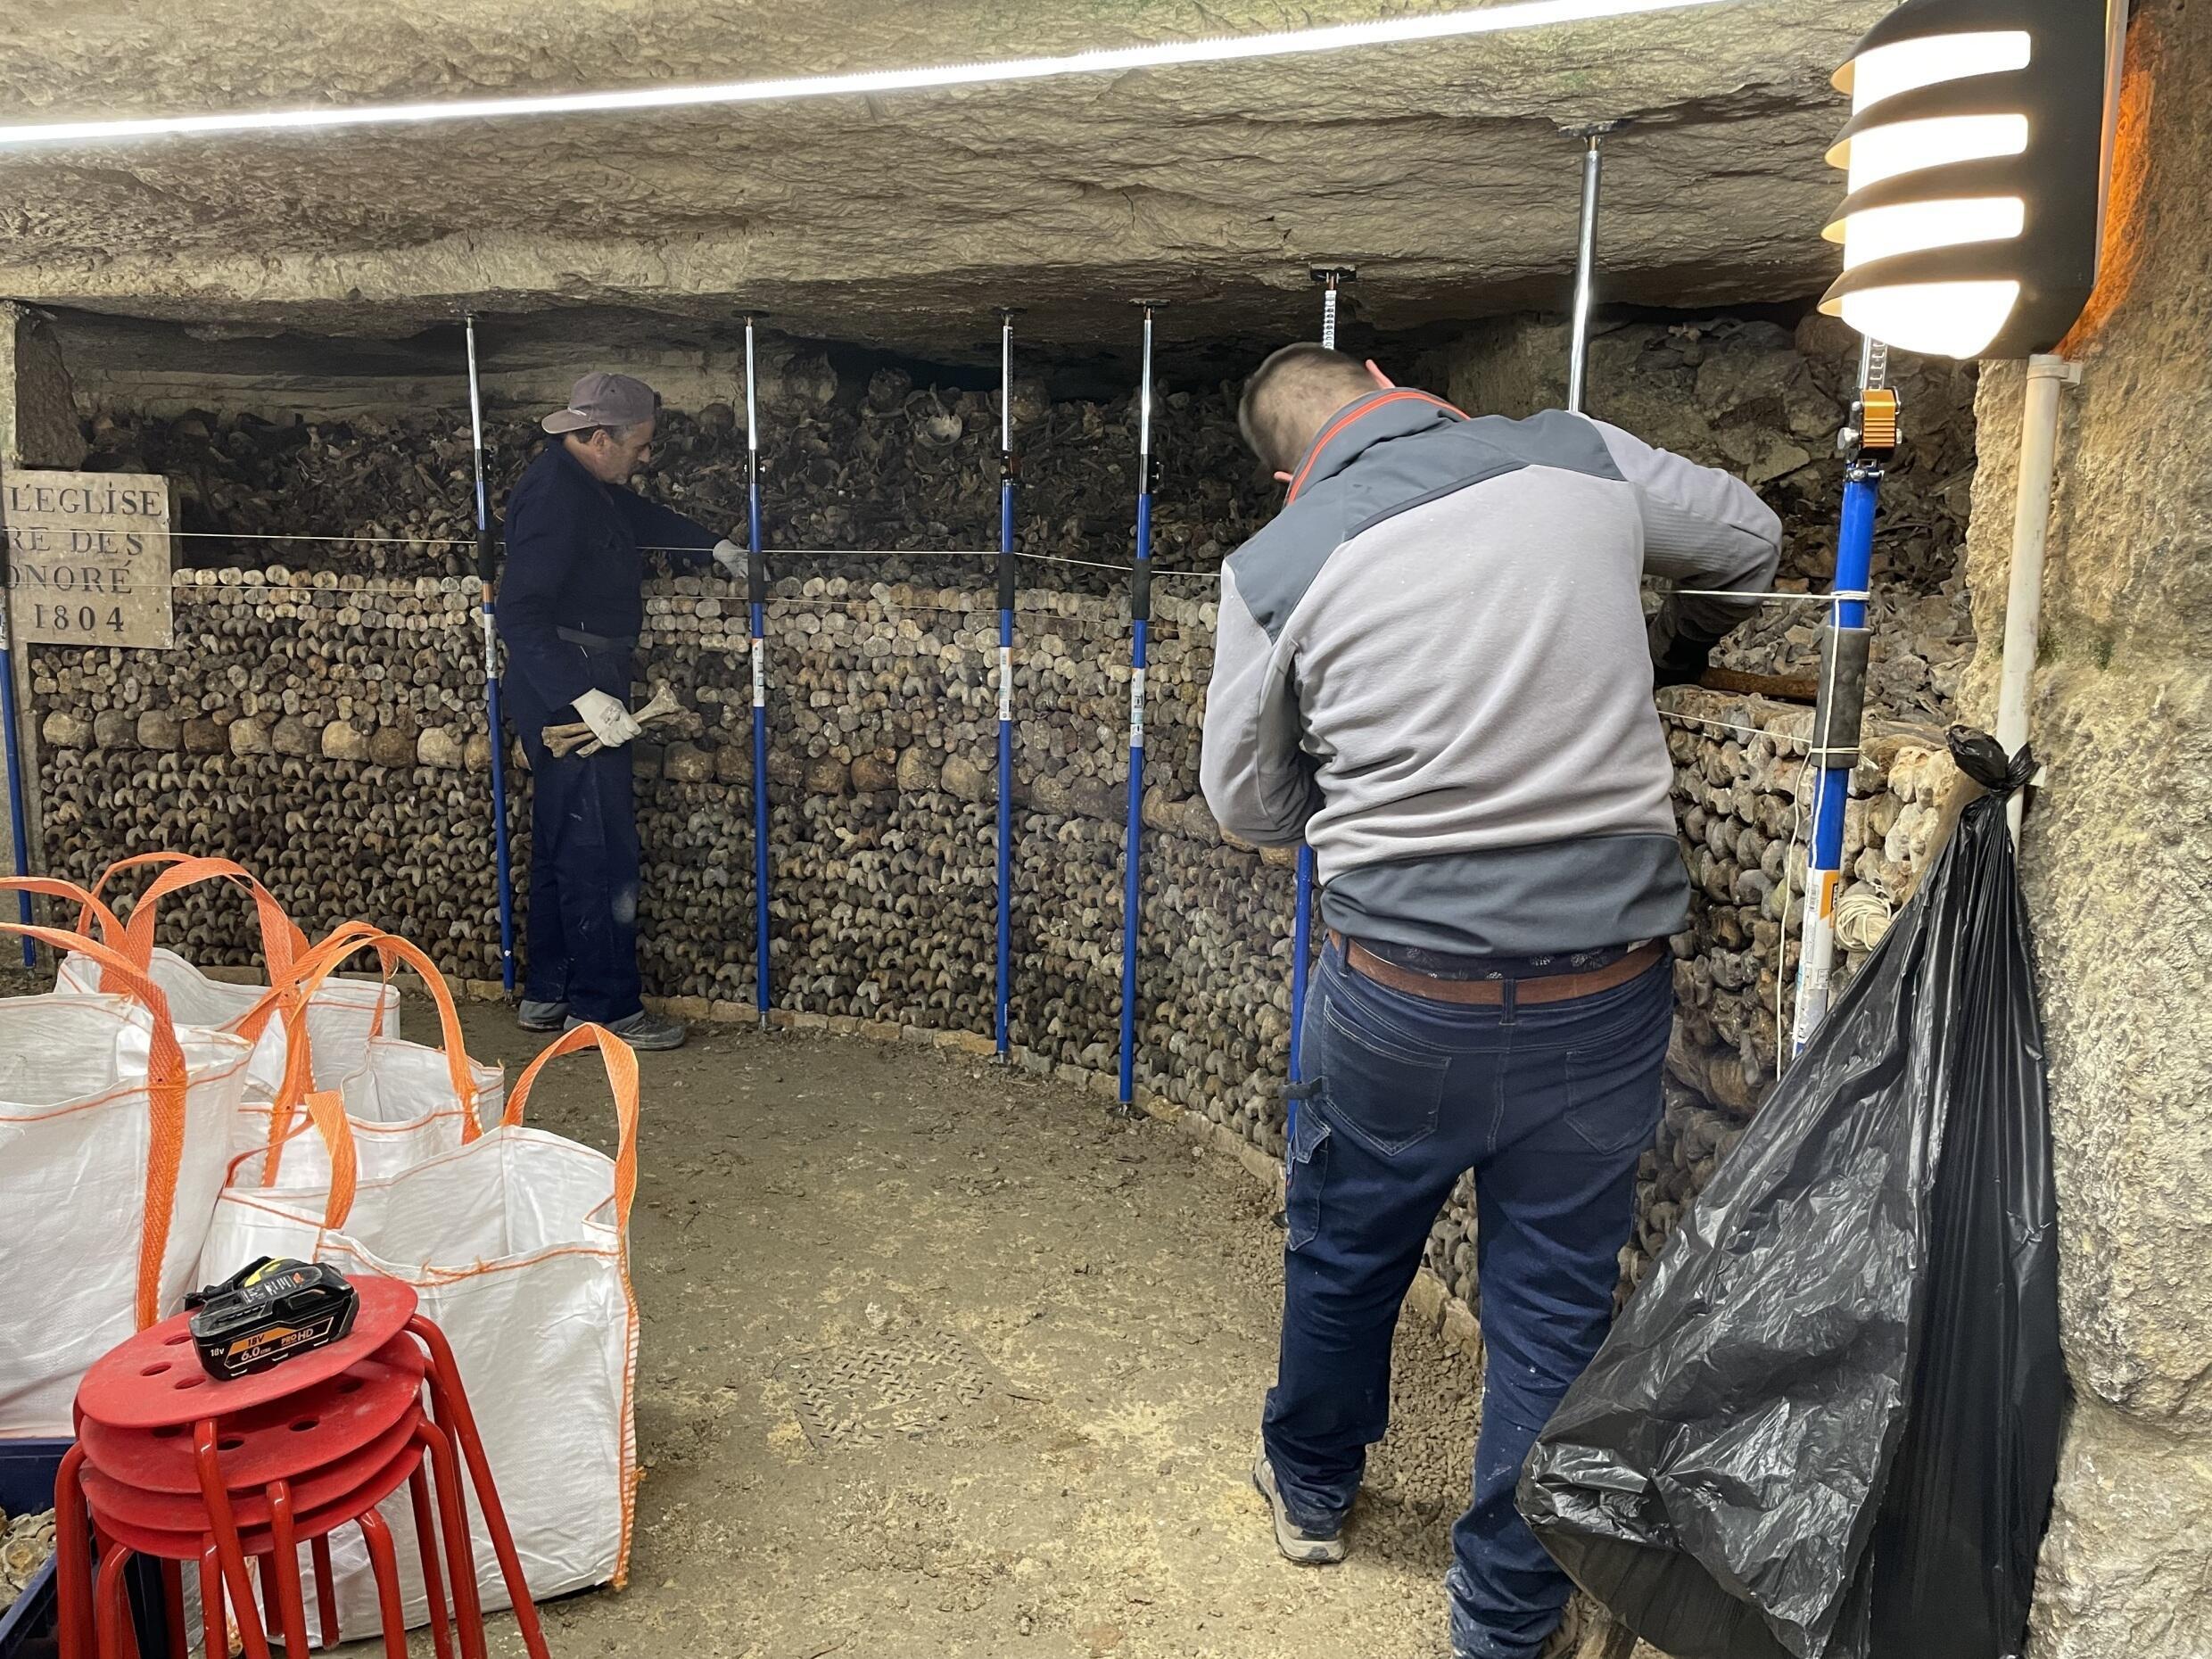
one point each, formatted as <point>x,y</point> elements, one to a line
<point>898,1386</point>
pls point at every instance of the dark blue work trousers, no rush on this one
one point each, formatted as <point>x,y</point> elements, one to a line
<point>1551,1106</point>
<point>581,947</point>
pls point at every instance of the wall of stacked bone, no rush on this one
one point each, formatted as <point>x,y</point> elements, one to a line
<point>328,735</point>
<point>321,720</point>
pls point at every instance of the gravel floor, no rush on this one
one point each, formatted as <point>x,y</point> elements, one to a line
<point>939,1361</point>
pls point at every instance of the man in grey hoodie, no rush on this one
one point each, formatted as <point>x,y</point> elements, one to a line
<point>1434,667</point>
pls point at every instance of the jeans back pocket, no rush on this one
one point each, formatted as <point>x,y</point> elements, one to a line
<point>1616,1085</point>
<point>1381,1086</point>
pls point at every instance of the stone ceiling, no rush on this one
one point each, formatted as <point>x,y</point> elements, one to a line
<point>902,221</point>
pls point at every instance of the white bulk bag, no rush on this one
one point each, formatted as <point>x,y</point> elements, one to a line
<point>517,1246</point>
<point>344,1015</point>
<point>114,1131</point>
<point>406,1102</point>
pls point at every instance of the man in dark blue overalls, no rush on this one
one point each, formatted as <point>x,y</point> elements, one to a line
<point>571,603</point>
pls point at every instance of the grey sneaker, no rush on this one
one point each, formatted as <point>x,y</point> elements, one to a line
<point>1312,1549</point>
<point>642,1030</point>
<point>542,1016</point>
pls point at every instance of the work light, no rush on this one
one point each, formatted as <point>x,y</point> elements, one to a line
<point>1977,149</point>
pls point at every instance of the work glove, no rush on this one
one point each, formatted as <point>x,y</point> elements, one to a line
<point>1679,657</point>
<point>608,718</point>
<point>1683,662</point>
<point>730,557</point>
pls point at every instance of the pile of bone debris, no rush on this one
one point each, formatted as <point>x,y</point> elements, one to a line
<point>897,474</point>
<point>883,468</point>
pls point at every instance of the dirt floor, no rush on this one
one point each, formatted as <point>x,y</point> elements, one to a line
<point>941,1361</point>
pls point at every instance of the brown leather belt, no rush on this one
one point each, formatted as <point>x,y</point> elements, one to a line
<point>1563,988</point>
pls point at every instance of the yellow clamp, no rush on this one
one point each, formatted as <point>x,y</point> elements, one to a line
<point>1877,421</point>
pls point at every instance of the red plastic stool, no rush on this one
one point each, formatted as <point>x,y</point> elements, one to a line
<point>361,1434</point>
<point>274,1547</point>
<point>186,1468</point>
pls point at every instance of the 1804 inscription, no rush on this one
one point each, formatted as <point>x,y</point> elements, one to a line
<point>88,559</point>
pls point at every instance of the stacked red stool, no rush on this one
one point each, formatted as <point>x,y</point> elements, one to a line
<point>172,1464</point>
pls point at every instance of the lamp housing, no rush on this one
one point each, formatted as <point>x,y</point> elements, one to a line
<point>1978,150</point>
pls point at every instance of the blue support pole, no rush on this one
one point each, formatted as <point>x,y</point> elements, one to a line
<point>756,604</point>
<point>16,822</point>
<point>486,580</point>
<point>17,818</point>
<point>1008,467</point>
<point>1835,749</point>
<point>1141,614</point>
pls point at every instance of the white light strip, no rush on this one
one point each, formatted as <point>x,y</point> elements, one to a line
<point>1386,31</point>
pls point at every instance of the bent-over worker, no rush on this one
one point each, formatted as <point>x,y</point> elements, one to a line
<point>1434,667</point>
<point>570,605</point>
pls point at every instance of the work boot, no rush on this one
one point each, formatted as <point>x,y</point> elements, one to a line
<point>542,1016</point>
<point>1311,1549</point>
<point>642,1030</point>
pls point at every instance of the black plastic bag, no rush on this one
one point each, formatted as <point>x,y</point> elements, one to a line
<point>1827,1426</point>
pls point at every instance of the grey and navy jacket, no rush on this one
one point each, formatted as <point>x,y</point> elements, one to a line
<point>1434,667</point>
<point>575,560</point>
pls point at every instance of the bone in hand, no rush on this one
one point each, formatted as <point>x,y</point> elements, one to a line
<point>575,736</point>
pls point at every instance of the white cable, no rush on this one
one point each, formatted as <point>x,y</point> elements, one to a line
<point>1723,725</point>
<point>403,587</point>
<point>1491,19</point>
<point>258,535</point>
<point>1762,598</point>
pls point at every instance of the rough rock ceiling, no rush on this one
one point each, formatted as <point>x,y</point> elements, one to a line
<point>902,221</point>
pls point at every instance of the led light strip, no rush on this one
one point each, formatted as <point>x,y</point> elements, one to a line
<point>1290,43</point>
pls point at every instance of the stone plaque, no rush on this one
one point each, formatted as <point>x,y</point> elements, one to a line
<point>88,560</point>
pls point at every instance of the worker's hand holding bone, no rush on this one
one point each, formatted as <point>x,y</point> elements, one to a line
<point>608,724</point>
<point>608,717</point>
<point>730,557</point>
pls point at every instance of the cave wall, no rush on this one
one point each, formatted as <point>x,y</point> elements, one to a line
<point>322,716</point>
<point>2114,859</point>
<point>38,425</point>
<point>1765,400</point>
<point>327,732</point>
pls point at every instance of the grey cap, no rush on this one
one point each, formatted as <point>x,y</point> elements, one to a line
<point>605,400</point>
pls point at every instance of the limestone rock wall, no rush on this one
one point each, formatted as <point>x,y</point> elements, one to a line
<point>37,418</point>
<point>2114,857</point>
<point>871,462</point>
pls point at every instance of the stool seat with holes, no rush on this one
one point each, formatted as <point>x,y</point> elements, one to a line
<point>153,1380</point>
<point>180,1466</point>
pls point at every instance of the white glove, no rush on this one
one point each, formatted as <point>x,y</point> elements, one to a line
<point>730,557</point>
<point>609,719</point>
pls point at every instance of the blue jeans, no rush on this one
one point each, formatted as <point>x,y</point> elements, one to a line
<point>1551,1107</point>
<point>582,947</point>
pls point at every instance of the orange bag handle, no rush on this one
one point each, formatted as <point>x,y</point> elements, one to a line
<point>137,861</point>
<point>347,940</point>
<point>166,1082</point>
<point>89,909</point>
<point>622,1077</point>
<point>282,941</point>
<point>323,1111</point>
<point>278,996</point>
<point>326,1111</point>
